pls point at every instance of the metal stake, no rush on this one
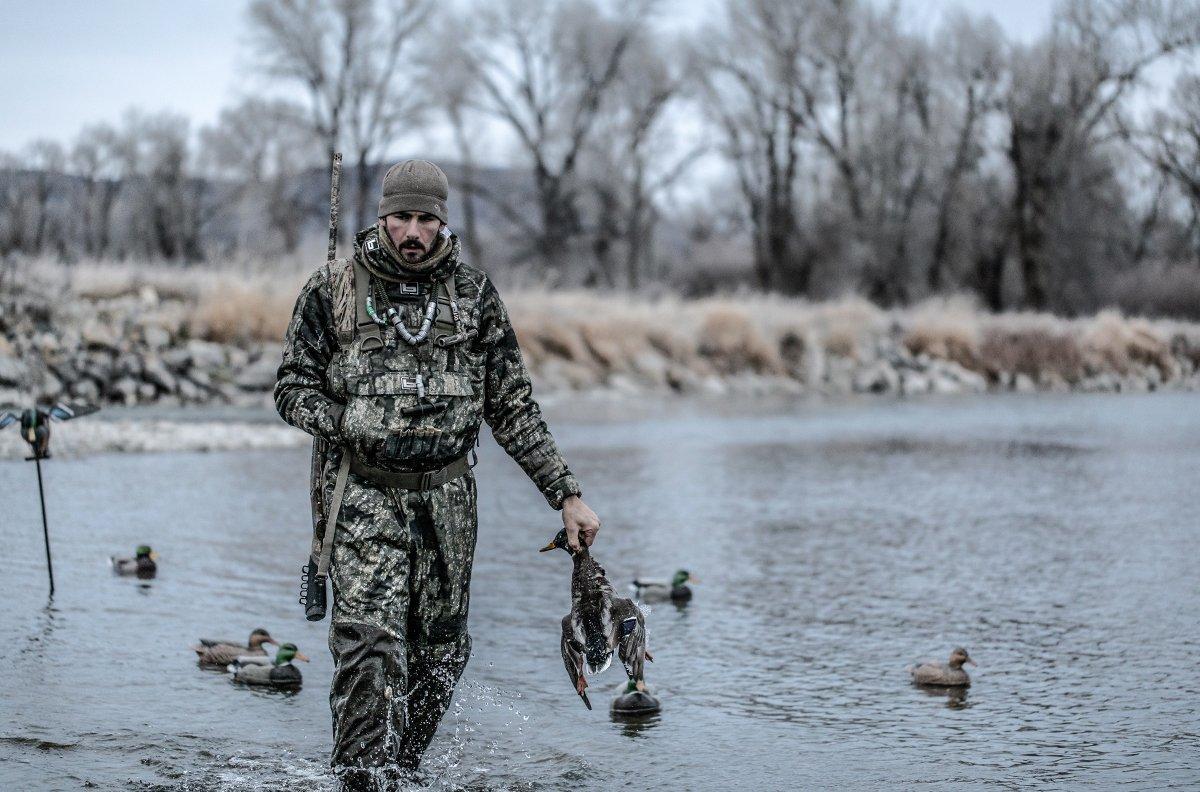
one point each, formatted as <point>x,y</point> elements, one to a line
<point>45,528</point>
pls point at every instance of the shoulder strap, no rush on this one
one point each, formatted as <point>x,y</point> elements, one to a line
<point>361,323</point>
<point>342,287</point>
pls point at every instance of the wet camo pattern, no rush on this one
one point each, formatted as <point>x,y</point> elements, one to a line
<point>401,577</point>
<point>401,566</point>
<point>481,379</point>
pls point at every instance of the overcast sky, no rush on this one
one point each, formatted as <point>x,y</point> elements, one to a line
<point>69,63</point>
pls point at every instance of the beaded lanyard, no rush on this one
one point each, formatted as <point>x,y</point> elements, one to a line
<point>393,316</point>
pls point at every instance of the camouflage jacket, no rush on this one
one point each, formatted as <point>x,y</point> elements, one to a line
<point>362,399</point>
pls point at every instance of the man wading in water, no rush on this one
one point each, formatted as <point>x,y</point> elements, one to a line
<point>394,359</point>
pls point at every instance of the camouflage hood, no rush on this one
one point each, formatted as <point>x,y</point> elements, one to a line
<point>375,249</point>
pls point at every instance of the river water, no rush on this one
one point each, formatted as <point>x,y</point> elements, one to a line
<point>1056,538</point>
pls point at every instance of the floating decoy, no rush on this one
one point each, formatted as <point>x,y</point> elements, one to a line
<point>676,590</point>
<point>634,702</point>
<point>142,564</point>
<point>950,674</point>
<point>218,653</point>
<point>598,623</point>
<point>267,672</point>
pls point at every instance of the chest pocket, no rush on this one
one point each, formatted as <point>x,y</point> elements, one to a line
<point>396,383</point>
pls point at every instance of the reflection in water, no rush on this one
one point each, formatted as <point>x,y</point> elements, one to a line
<point>956,697</point>
<point>635,726</point>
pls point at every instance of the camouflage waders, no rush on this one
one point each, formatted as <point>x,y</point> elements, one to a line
<point>403,547</point>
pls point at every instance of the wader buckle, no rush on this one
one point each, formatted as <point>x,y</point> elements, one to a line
<point>410,291</point>
<point>415,383</point>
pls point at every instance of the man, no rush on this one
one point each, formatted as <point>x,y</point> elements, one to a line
<point>393,359</point>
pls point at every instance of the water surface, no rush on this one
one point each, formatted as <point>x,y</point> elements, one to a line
<point>1055,537</point>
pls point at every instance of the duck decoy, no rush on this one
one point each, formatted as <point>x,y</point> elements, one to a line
<point>35,423</point>
<point>142,564</point>
<point>634,702</point>
<point>598,623</point>
<point>950,674</point>
<point>263,671</point>
<point>216,653</point>
<point>676,589</point>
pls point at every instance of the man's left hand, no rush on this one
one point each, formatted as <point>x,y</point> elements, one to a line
<point>580,522</point>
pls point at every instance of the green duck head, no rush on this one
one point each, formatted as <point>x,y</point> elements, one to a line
<point>288,652</point>
<point>559,541</point>
<point>681,578</point>
<point>144,551</point>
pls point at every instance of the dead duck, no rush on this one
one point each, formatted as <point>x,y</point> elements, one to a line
<point>598,623</point>
<point>263,671</point>
<point>949,674</point>
<point>142,564</point>
<point>216,653</point>
<point>676,589</point>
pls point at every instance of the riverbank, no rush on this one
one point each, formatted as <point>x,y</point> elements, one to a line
<point>164,335</point>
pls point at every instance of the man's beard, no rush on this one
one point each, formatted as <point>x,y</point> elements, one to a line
<point>411,246</point>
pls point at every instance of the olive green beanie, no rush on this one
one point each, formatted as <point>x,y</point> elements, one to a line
<point>415,186</point>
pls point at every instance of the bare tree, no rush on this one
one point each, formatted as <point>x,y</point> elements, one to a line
<point>95,159</point>
<point>45,161</point>
<point>546,70</point>
<point>264,147</point>
<point>1064,92</point>
<point>973,66</point>
<point>352,59</point>
<point>751,67</point>
<point>1176,148</point>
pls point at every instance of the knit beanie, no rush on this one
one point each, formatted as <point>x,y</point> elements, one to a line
<point>415,186</point>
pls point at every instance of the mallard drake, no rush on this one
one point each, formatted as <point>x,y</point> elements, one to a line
<point>264,671</point>
<point>142,564</point>
<point>676,590</point>
<point>598,622</point>
<point>950,674</point>
<point>218,653</point>
<point>634,702</point>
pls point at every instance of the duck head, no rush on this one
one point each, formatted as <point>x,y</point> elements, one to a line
<point>559,541</point>
<point>682,578</point>
<point>260,637</point>
<point>288,652</point>
<point>958,657</point>
<point>144,551</point>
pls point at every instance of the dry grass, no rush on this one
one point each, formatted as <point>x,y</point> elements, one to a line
<point>588,336</point>
<point>949,329</point>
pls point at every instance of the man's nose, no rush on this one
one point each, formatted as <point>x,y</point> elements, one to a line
<point>411,229</point>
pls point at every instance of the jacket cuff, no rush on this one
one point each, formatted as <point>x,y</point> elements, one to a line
<point>560,490</point>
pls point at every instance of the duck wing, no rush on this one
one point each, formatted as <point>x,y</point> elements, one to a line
<point>220,642</point>
<point>220,654</point>
<point>629,625</point>
<point>123,566</point>
<point>572,654</point>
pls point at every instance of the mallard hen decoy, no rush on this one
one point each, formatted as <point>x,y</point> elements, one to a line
<point>949,674</point>
<point>266,672</point>
<point>676,590</point>
<point>598,623</point>
<point>218,653</point>
<point>142,564</point>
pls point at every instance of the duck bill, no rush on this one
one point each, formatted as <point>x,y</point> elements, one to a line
<point>271,641</point>
<point>693,579</point>
<point>973,663</point>
<point>301,656</point>
<point>153,556</point>
<point>550,546</point>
